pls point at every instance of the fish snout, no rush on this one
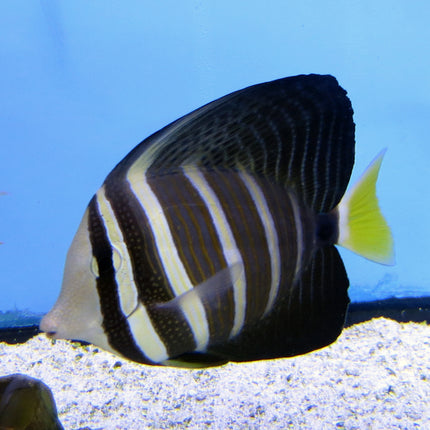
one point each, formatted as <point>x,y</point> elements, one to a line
<point>48,326</point>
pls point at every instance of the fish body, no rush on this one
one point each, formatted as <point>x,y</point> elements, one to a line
<point>214,239</point>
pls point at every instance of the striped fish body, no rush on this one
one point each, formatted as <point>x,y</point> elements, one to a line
<point>200,223</point>
<point>213,240</point>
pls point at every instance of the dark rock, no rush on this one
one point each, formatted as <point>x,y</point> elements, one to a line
<point>27,404</point>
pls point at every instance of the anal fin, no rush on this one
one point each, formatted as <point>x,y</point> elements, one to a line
<point>309,316</point>
<point>195,361</point>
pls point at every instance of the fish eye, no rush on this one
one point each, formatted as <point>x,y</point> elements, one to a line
<point>117,262</point>
<point>94,267</point>
<point>117,258</point>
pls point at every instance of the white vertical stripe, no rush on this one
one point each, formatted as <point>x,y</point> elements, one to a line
<point>271,235</point>
<point>173,267</point>
<point>316,163</point>
<point>138,319</point>
<point>292,147</point>
<point>299,231</point>
<point>328,167</point>
<point>145,335</point>
<point>303,168</point>
<point>228,243</point>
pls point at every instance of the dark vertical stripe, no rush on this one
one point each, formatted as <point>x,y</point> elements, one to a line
<point>148,273</point>
<point>114,322</point>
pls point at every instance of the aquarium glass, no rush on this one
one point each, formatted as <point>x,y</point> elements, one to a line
<point>82,83</point>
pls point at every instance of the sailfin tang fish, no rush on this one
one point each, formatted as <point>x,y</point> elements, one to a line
<point>214,239</point>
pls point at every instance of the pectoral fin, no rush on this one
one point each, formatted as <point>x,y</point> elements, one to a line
<point>212,293</point>
<point>212,288</point>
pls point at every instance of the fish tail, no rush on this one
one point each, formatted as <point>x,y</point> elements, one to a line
<point>362,227</point>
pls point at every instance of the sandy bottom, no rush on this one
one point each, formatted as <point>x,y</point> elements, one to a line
<point>376,376</point>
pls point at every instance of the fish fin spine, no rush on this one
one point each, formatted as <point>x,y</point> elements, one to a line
<point>362,226</point>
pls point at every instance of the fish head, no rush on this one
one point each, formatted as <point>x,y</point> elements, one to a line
<point>76,314</point>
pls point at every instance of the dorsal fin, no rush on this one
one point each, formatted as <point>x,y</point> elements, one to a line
<point>297,130</point>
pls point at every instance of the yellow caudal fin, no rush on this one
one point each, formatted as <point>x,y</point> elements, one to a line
<point>362,227</point>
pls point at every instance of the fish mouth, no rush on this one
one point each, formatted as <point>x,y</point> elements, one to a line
<point>48,326</point>
<point>51,334</point>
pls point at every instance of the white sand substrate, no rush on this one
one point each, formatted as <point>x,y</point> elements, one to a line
<point>376,376</point>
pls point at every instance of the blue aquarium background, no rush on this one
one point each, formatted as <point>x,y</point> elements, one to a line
<point>83,82</point>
